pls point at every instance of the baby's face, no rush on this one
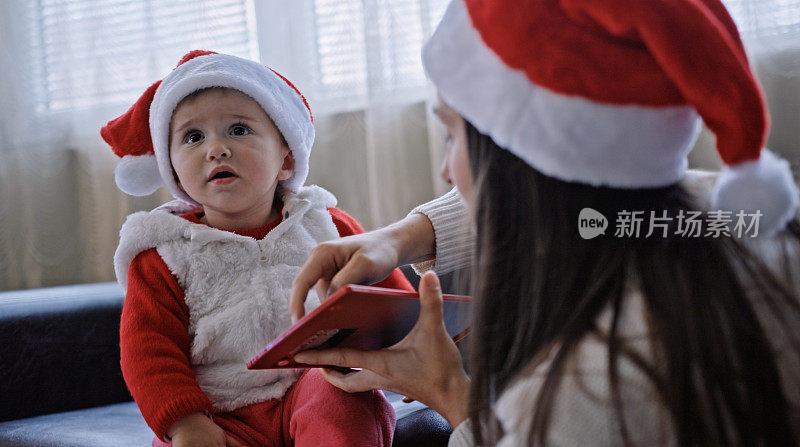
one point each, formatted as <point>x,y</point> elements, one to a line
<point>227,153</point>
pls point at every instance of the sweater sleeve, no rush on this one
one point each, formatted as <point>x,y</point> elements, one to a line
<point>154,345</point>
<point>462,435</point>
<point>348,226</point>
<point>455,238</point>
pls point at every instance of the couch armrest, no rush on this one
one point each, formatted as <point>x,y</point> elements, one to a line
<point>59,349</point>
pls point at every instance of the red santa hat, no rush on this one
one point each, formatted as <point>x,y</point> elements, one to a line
<point>611,93</point>
<point>141,135</point>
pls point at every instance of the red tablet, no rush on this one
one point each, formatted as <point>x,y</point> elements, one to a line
<point>358,317</point>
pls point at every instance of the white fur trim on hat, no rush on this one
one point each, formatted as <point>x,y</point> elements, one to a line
<point>279,100</point>
<point>138,175</point>
<point>764,185</point>
<point>567,137</point>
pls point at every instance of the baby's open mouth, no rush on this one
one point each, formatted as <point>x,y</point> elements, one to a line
<point>221,173</point>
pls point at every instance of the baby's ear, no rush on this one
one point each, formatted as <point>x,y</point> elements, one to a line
<point>287,169</point>
<point>174,172</point>
<point>178,180</point>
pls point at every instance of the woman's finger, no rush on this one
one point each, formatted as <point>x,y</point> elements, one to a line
<point>356,271</point>
<point>353,382</point>
<point>348,358</point>
<point>312,271</point>
<point>430,300</point>
<point>322,289</point>
<point>320,265</point>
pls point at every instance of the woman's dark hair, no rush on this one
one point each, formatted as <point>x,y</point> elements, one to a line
<point>540,287</point>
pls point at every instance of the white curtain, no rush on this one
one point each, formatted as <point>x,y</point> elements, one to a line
<point>770,30</point>
<point>358,61</point>
<point>68,66</point>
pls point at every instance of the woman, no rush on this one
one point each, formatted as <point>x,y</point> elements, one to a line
<point>655,334</point>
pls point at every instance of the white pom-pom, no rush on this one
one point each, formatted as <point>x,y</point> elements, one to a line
<point>765,185</point>
<point>138,175</point>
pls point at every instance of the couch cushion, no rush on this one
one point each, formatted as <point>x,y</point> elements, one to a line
<point>110,425</point>
<point>60,382</point>
<point>122,425</point>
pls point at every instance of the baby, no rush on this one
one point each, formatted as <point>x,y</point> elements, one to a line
<point>208,277</point>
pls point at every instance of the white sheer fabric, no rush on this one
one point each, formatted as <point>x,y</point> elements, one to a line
<point>377,148</point>
<point>68,66</point>
<point>770,30</point>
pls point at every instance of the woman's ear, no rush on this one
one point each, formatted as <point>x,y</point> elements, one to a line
<point>287,169</point>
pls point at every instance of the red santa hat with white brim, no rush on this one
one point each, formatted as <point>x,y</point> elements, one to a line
<point>611,93</point>
<point>141,135</point>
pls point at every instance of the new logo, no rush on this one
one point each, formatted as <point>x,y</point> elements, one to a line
<point>591,223</point>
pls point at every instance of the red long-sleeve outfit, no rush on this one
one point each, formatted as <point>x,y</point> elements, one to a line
<point>154,337</point>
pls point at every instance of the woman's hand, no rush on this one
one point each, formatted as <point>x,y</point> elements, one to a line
<point>362,259</point>
<point>424,366</point>
<point>199,430</point>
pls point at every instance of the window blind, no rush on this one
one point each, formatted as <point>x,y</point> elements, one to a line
<point>91,53</point>
<point>368,47</point>
<point>765,18</point>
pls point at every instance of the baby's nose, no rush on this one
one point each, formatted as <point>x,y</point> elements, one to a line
<point>218,149</point>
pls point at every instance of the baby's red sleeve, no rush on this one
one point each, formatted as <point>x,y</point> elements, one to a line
<point>347,226</point>
<point>154,345</point>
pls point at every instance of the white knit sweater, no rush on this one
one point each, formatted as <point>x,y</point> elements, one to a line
<point>454,232</point>
<point>583,413</point>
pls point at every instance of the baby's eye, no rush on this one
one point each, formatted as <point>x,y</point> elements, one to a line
<point>193,136</point>
<point>239,130</point>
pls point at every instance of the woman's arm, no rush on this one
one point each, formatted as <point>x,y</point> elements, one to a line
<point>438,230</point>
<point>362,258</point>
<point>348,226</point>
<point>453,229</point>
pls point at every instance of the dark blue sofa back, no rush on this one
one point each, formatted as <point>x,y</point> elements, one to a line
<point>59,349</point>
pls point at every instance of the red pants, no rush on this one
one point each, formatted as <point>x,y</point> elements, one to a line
<point>312,413</point>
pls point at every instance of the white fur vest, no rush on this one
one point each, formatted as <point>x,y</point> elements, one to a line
<point>237,289</point>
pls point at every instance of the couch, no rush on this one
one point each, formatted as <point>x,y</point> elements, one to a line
<point>60,380</point>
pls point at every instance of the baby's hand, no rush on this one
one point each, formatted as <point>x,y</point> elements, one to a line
<point>198,429</point>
